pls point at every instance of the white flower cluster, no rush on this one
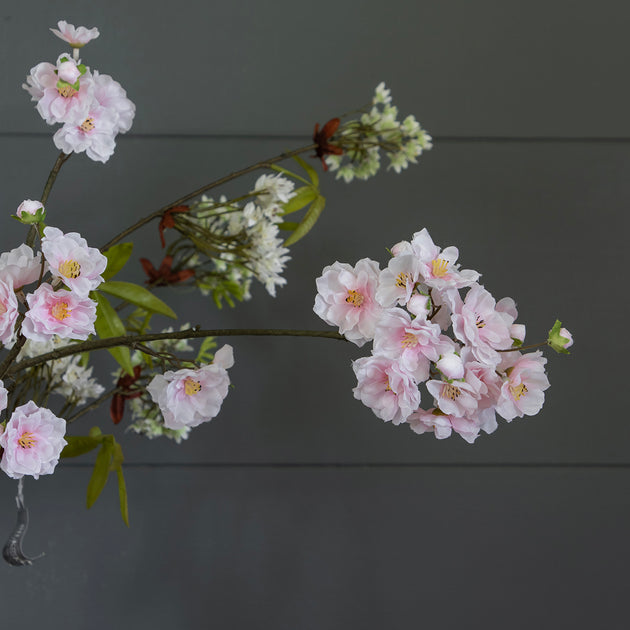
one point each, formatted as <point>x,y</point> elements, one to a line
<point>65,376</point>
<point>92,107</point>
<point>362,140</point>
<point>253,246</point>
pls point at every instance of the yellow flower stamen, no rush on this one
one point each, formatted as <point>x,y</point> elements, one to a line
<point>439,267</point>
<point>87,124</point>
<point>518,391</point>
<point>450,391</point>
<point>27,440</point>
<point>480,323</point>
<point>70,269</point>
<point>60,311</point>
<point>66,90</point>
<point>402,279</point>
<point>354,298</point>
<point>409,340</point>
<point>191,387</point>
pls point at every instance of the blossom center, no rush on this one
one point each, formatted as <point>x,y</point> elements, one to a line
<point>480,323</point>
<point>87,124</point>
<point>70,269</point>
<point>191,387</point>
<point>354,298</point>
<point>27,440</point>
<point>402,279</point>
<point>387,386</point>
<point>450,391</point>
<point>518,391</point>
<point>3,309</point>
<point>409,340</point>
<point>66,90</point>
<point>439,267</point>
<point>60,311</point>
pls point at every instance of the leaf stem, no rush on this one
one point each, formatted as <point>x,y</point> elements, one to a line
<point>531,346</point>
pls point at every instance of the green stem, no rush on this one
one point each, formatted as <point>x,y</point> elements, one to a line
<point>130,340</point>
<point>531,346</point>
<point>206,188</point>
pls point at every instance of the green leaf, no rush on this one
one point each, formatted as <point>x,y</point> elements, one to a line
<point>312,173</point>
<point>108,324</point>
<point>100,473</point>
<point>95,432</point>
<point>307,223</point>
<point>289,173</point>
<point>137,295</point>
<point>289,226</point>
<point>303,196</point>
<point>205,350</point>
<point>79,444</point>
<point>122,494</point>
<point>117,257</point>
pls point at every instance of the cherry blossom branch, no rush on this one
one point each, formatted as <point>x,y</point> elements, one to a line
<point>93,405</point>
<point>531,346</point>
<point>206,188</point>
<point>131,340</point>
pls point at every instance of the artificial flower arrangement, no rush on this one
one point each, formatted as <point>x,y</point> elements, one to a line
<point>57,294</point>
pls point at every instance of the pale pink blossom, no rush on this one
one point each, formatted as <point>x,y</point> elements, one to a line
<point>567,335</point>
<point>68,71</point>
<point>20,266</point>
<point>517,332</point>
<point>76,37</point>
<point>451,366</point>
<point>32,441</point>
<point>72,261</point>
<point>346,298</point>
<point>424,421</point>
<point>386,388</point>
<point>468,428</point>
<point>438,267</point>
<point>62,313</point>
<point>28,206</point>
<point>456,398</point>
<point>189,397</point>
<point>478,324</point>
<point>487,383</point>
<point>522,389</point>
<point>8,313</point>
<point>397,283</point>
<point>59,103</point>
<point>93,134</point>
<point>111,95</point>
<point>413,343</point>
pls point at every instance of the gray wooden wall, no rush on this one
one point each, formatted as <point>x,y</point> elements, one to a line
<point>297,508</point>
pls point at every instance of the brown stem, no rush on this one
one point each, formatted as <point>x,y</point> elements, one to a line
<point>92,405</point>
<point>529,347</point>
<point>203,189</point>
<point>130,340</point>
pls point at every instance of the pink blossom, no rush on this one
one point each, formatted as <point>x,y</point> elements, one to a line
<point>397,283</point>
<point>28,206</point>
<point>346,298</point>
<point>386,388</point>
<point>76,37</point>
<point>20,266</point>
<point>93,134</point>
<point>189,397</point>
<point>71,260</point>
<point>451,365</point>
<point>456,398</point>
<point>478,323</point>
<point>438,267</point>
<point>8,313</point>
<point>59,104</point>
<point>32,441</point>
<point>62,313</point>
<point>522,390</point>
<point>422,421</point>
<point>567,335</point>
<point>412,343</point>
<point>112,96</point>
<point>68,71</point>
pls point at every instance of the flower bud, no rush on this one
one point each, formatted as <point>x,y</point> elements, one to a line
<point>451,366</point>
<point>68,72</point>
<point>560,338</point>
<point>30,211</point>
<point>567,335</point>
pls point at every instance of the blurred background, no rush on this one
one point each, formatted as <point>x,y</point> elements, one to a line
<point>296,507</point>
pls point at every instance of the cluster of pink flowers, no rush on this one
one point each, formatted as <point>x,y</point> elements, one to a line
<point>92,107</point>
<point>405,310</point>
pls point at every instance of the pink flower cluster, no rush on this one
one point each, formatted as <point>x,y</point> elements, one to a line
<point>92,107</point>
<point>406,310</point>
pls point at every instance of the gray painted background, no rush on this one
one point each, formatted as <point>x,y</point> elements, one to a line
<point>296,507</point>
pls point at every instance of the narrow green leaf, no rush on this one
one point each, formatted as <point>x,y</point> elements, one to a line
<point>289,173</point>
<point>117,257</point>
<point>137,295</point>
<point>289,226</point>
<point>122,495</point>
<point>99,474</point>
<point>78,445</point>
<point>309,220</point>
<point>303,196</point>
<point>108,324</point>
<point>205,350</point>
<point>312,173</point>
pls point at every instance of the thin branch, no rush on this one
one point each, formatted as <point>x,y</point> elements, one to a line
<point>92,405</point>
<point>531,346</point>
<point>206,188</point>
<point>131,340</point>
